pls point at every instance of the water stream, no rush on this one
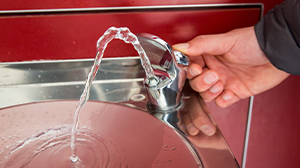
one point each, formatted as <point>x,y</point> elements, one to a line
<point>112,33</point>
<point>51,147</point>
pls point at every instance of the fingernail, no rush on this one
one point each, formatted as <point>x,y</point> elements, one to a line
<point>207,130</point>
<point>192,129</point>
<point>210,78</point>
<point>214,89</point>
<point>194,72</point>
<point>181,47</point>
<point>226,96</point>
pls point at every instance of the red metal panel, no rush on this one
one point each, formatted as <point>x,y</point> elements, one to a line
<point>274,137</point>
<point>75,36</point>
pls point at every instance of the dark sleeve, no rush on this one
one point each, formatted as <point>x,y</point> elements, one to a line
<point>278,35</point>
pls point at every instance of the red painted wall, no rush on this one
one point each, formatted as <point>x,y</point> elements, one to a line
<point>75,36</point>
<point>274,137</point>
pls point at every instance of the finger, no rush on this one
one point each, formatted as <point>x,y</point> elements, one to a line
<point>212,92</point>
<point>190,127</point>
<point>198,60</point>
<point>204,81</point>
<point>226,98</point>
<point>206,44</point>
<point>199,116</point>
<point>194,70</point>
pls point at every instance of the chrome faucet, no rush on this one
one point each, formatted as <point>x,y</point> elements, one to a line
<point>164,90</point>
<point>166,104</point>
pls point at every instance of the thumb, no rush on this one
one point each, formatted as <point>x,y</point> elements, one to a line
<point>218,44</point>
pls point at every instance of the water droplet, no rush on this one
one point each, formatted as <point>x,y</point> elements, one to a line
<point>74,159</point>
<point>39,76</point>
<point>173,148</point>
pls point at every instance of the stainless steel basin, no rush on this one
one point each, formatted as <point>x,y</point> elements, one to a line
<point>38,101</point>
<point>127,137</point>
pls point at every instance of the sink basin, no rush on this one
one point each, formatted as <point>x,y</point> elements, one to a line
<point>110,135</point>
<point>38,101</point>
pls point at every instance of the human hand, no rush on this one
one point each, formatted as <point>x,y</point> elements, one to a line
<point>229,67</point>
<point>195,118</point>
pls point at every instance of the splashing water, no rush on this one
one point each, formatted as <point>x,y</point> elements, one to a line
<point>112,33</point>
<point>49,148</point>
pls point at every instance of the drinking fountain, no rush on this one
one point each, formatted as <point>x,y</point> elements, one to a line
<point>136,123</point>
<point>166,103</point>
